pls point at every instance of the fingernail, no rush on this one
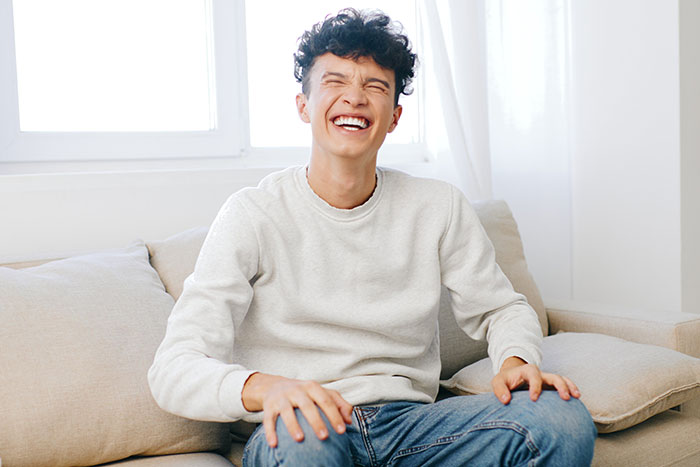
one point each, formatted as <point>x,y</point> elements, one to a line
<point>504,397</point>
<point>340,428</point>
<point>323,433</point>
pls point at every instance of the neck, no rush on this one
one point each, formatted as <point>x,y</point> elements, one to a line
<point>342,185</point>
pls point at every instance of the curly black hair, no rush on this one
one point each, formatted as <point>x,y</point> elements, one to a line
<point>354,34</point>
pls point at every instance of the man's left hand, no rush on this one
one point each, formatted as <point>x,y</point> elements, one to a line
<point>516,373</point>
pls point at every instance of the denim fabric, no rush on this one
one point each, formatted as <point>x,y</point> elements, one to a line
<point>458,431</point>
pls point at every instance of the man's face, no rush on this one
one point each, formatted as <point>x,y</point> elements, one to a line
<point>350,106</point>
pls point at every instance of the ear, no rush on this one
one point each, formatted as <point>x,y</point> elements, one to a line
<point>395,117</point>
<point>301,108</point>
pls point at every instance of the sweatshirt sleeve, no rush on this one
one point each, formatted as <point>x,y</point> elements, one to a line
<point>482,298</point>
<point>194,373</point>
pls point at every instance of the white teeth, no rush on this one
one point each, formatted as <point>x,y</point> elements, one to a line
<point>353,122</point>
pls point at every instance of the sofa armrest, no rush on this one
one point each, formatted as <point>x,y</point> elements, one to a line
<point>674,330</point>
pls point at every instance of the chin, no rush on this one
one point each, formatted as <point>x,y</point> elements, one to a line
<point>355,153</point>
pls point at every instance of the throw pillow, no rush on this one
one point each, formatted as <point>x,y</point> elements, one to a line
<point>174,258</point>
<point>622,383</point>
<point>76,341</point>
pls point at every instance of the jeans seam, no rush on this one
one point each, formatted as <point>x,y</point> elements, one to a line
<point>521,430</point>
<point>529,442</point>
<point>424,447</point>
<point>368,413</point>
<point>257,434</point>
<point>364,431</point>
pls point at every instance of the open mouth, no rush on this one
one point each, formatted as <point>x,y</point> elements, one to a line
<point>351,123</point>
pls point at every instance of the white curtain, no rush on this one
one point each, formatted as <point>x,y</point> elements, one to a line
<point>456,108</point>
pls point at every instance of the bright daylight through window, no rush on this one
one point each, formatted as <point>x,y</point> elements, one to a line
<point>114,65</point>
<point>164,79</point>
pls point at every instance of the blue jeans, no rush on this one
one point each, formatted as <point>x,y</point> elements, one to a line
<point>458,431</point>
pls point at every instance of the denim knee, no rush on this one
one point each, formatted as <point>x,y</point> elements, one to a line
<point>564,430</point>
<point>333,451</point>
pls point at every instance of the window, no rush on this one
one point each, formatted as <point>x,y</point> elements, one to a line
<point>126,77</point>
<point>120,80</point>
<point>88,80</point>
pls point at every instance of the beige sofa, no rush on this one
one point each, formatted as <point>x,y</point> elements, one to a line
<point>77,336</point>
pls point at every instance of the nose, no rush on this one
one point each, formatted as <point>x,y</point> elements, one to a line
<point>355,96</point>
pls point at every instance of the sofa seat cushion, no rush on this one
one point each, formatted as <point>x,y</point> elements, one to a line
<point>201,459</point>
<point>643,381</point>
<point>76,341</point>
<point>669,438</point>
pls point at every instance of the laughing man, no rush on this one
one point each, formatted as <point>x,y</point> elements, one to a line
<point>313,304</point>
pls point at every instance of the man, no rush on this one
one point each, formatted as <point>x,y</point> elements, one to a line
<point>313,304</point>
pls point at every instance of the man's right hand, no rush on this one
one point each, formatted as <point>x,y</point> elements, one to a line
<point>279,396</point>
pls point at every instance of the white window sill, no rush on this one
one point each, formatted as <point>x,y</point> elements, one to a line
<point>409,157</point>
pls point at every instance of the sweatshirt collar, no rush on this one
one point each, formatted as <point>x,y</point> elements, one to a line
<point>335,213</point>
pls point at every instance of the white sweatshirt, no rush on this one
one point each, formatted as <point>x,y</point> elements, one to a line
<point>288,285</point>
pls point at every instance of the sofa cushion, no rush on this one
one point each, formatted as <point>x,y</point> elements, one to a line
<point>200,459</point>
<point>76,341</point>
<point>502,230</point>
<point>669,438</point>
<point>643,380</point>
<point>174,259</point>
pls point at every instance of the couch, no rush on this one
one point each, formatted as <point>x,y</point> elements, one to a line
<point>78,334</point>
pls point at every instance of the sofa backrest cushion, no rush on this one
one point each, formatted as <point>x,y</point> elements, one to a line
<point>77,337</point>
<point>174,259</point>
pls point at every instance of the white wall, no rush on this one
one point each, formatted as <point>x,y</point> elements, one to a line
<point>690,153</point>
<point>54,215</point>
<point>58,215</point>
<point>594,175</point>
<point>626,153</point>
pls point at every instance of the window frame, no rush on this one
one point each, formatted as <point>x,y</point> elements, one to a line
<point>226,146</point>
<point>226,139</point>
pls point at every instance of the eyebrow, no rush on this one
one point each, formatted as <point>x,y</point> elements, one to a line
<point>368,80</point>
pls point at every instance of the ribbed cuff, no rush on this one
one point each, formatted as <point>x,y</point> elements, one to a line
<point>529,356</point>
<point>230,393</point>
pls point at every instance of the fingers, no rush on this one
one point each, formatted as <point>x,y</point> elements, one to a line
<point>332,404</point>
<point>289,418</point>
<point>534,380</point>
<point>573,389</point>
<point>558,383</point>
<point>308,396</point>
<point>343,406</point>
<point>564,386</point>
<point>500,389</point>
<point>512,378</point>
<point>269,422</point>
